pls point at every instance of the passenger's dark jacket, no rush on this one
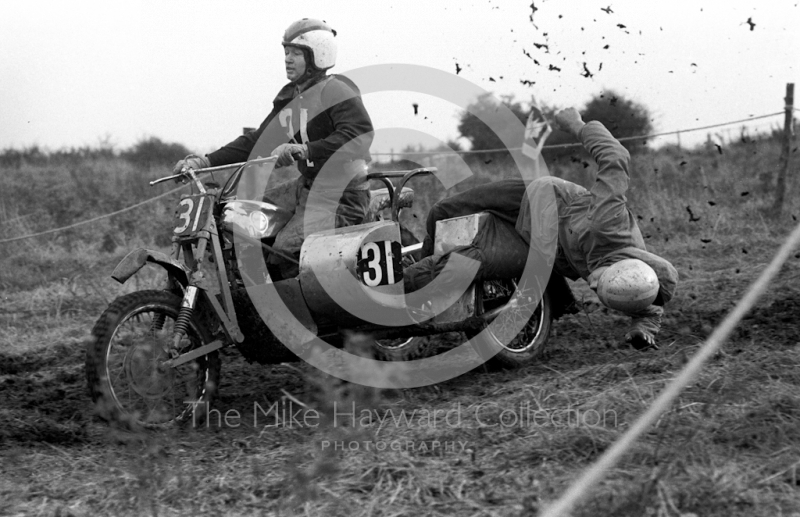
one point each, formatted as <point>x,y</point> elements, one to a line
<point>584,229</point>
<point>595,227</point>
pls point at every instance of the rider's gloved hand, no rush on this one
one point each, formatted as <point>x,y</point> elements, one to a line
<point>644,327</point>
<point>288,153</point>
<point>191,162</point>
<point>570,121</point>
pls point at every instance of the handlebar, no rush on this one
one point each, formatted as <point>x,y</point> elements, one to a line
<point>399,174</point>
<point>385,177</point>
<point>186,172</point>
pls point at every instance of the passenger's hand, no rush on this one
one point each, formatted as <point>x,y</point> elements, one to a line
<point>288,153</point>
<point>640,339</point>
<point>191,162</point>
<point>569,120</point>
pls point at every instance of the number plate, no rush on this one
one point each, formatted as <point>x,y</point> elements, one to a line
<point>190,215</point>
<point>379,263</point>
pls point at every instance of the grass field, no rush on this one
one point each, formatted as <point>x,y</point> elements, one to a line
<point>487,443</point>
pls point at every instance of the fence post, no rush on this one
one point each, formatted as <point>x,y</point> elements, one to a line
<point>786,152</point>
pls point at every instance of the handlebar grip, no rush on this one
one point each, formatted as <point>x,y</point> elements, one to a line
<point>162,180</point>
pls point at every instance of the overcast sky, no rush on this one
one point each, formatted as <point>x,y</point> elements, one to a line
<point>73,73</point>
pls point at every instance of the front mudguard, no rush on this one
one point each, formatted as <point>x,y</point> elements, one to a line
<point>136,259</point>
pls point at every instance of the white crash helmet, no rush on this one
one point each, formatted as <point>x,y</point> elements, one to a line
<point>629,285</point>
<point>317,37</point>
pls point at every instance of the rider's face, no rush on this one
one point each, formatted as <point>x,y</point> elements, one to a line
<point>295,62</point>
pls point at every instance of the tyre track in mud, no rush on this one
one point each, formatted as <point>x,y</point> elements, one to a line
<point>44,396</point>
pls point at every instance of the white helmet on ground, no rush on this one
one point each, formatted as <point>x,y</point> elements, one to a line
<point>315,36</point>
<point>629,285</point>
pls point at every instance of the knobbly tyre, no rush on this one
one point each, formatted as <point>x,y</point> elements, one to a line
<point>153,352</point>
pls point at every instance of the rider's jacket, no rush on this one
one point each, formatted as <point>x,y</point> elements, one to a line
<point>587,229</point>
<point>325,113</point>
<point>595,228</point>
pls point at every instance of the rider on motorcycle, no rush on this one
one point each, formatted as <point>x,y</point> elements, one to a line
<point>593,230</point>
<point>320,121</point>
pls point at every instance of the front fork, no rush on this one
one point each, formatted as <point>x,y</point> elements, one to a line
<point>177,353</point>
<point>184,317</point>
<point>190,299</point>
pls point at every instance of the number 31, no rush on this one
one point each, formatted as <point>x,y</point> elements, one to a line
<point>285,117</point>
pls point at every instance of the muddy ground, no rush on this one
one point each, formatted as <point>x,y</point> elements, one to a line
<point>729,446</point>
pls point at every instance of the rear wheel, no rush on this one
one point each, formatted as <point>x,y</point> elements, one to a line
<point>124,364</point>
<point>521,343</point>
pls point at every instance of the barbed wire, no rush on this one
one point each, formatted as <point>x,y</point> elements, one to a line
<point>578,144</point>
<point>557,146</point>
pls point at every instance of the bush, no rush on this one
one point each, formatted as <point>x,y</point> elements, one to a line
<point>480,135</point>
<point>152,152</point>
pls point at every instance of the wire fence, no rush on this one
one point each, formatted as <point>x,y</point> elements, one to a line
<point>93,219</point>
<point>577,144</point>
<point>425,153</point>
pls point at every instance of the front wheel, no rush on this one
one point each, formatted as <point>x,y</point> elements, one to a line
<point>520,345</point>
<point>125,370</point>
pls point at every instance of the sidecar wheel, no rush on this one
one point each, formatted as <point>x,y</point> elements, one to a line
<point>123,371</point>
<point>527,345</point>
<point>402,349</point>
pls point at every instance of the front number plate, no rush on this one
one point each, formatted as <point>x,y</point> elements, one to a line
<point>379,263</point>
<point>190,214</point>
